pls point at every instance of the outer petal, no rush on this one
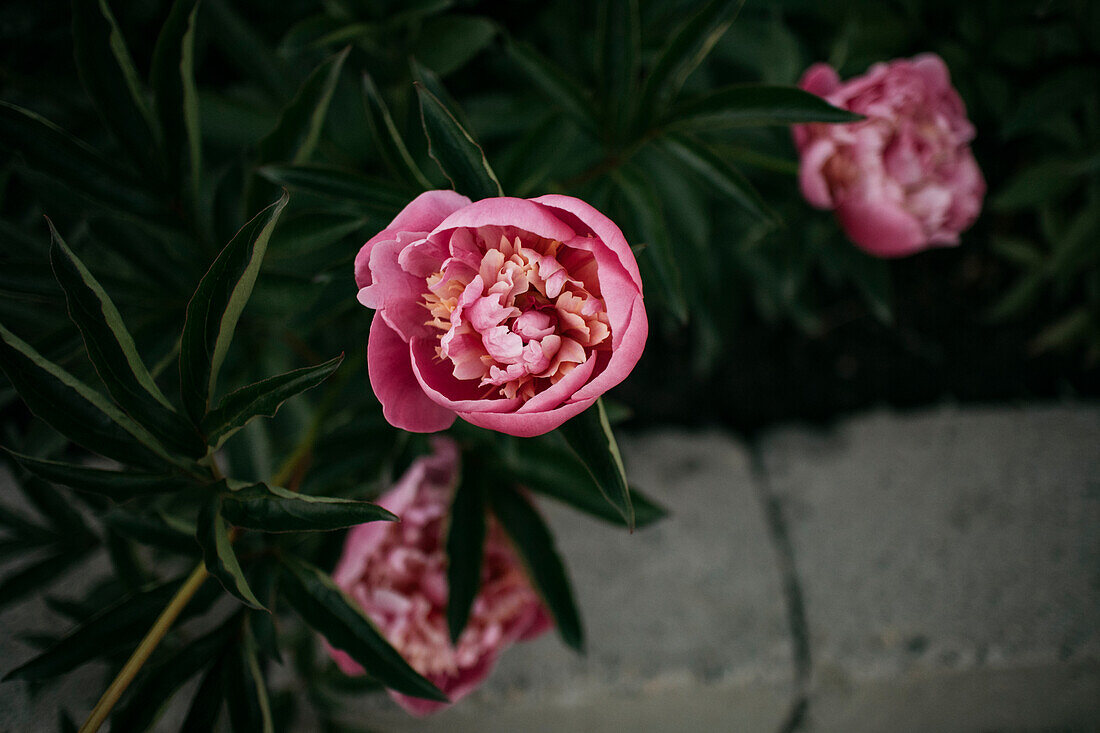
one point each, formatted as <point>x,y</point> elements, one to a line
<point>435,380</point>
<point>600,226</point>
<point>508,212</point>
<point>820,79</point>
<point>394,293</point>
<point>404,403</point>
<point>527,425</point>
<point>881,227</point>
<point>811,179</point>
<point>623,358</point>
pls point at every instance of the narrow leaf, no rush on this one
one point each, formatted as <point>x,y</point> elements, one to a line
<point>389,143</point>
<point>246,692</point>
<point>618,55</point>
<point>216,307</point>
<point>459,157</point>
<point>109,76</point>
<point>275,509</point>
<point>685,49</point>
<point>117,485</point>
<point>696,156</point>
<point>590,436</point>
<point>55,153</point>
<point>535,544</point>
<point>755,105</point>
<point>33,577</point>
<point>346,627</point>
<point>646,205</point>
<point>206,705</point>
<point>556,84</point>
<point>262,399</point>
<point>153,528</point>
<point>299,127</point>
<point>113,353</point>
<point>212,534</point>
<point>173,81</point>
<point>76,410</point>
<point>370,194</point>
<point>465,545</point>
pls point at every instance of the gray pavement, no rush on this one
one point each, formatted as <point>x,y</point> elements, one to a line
<point>897,572</point>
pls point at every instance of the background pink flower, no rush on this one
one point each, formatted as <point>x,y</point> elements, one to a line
<point>514,314</point>
<point>904,179</point>
<point>398,574</point>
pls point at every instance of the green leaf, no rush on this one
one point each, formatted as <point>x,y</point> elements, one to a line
<point>618,59</point>
<point>55,153</point>
<point>559,88</point>
<point>150,693</point>
<point>117,485</point>
<point>275,509</point>
<point>114,355</point>
<point>76,410</point>
<point>115,627</point>
<point>173,80</point>
<point>549,466</point>
<point>366,193</point>
<point>248,51</point>
<point>212,534</point>
<point>684,50</point>
<point>346,627</point>
<point>589,435</point>
<point>454,150</point>
<point>31,578</point>
<point>751,105</point>
<point>299,127</point>
<point>216,307</point>
<point>535,543</point>
<point>206,705</point>
<point>697,156</point>
<point>246,690</point>
<point>388,140</point>
<point>58,507</point>
<point>448,42</point>
<point>153,528</point>
<point>465,545</point>
<point>1046,181</point>
<point>646,205</point>
<point>262,399</point>
<point>109,76</point>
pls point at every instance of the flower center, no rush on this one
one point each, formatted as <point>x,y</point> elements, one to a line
<point>522,319</point>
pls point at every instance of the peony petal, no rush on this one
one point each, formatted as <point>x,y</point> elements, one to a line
<point>624,357</point>
<point>438,383</point>
<point>508,212</point>
<point>424,212</point>
<point>589,218</point>
<point>527,425</point>
<point>395,293</point>
<point>820,79</point>
<point>404,403</point>
<point>880,226</point>
<point>811,179</point>
<point>556,394</point>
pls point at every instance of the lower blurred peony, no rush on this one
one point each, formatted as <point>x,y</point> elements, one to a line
<point>904,179</point>
<point>397,572</point>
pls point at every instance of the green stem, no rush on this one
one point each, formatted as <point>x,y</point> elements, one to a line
<point>141,655</point>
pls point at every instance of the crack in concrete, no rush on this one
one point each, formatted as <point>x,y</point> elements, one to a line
<point>772,507</point>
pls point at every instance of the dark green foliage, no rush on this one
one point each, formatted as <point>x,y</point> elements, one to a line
<point>465,544</point>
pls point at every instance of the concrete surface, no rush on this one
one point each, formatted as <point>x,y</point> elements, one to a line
<point>898,572</point>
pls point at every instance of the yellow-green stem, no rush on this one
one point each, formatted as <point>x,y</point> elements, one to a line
<point>164,622</point>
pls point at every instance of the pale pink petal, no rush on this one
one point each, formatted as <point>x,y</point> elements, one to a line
<point>404,403</point>
<point>438,383</point>
<point>424,212</point>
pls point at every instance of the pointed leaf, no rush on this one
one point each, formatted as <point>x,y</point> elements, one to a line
<point>458,155</point>
<point>216,307</point>
<point>346,627</point>
<point>369,194</point>
<point>275,509</point>
<point>246,49</point>
<point>695,155</point>
<point>153,528</point>
<point>590,436</point>
<point>465,545</point>
<point>76,410</point>
<point>751,105</point>
<point>262,399</point>
<point>646,205</point>
<point>55,153</point>
<point>685,49</point>
<point>114,355</point>
<point>556,84</point>
<point>31,578</point>
<point>173,81</point>
<point>117,485</point>
<point>108,74</point>
<point>389,143</point>
<point>246,691</point>
<point>299,127</point>
<point>212,534</point>
<point>618,56</point>
<point>206,705</point>
<point>535,544</point>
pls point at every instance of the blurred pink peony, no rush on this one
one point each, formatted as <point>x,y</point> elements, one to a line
<point>903,179</point>
<point>513,314</point>
<point>398,573</point>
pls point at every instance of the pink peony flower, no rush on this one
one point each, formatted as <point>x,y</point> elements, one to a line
<point>398,573</point>
<point>903,179</point>
<point>514,314</point>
